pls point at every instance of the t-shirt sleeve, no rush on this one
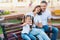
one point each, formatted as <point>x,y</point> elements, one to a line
<point>49,15</point>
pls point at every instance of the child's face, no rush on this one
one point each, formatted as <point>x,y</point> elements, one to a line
<point>28,20</point>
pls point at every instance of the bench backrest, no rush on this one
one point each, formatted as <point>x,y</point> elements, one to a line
<point>10,29</point>
<point>57,12</point>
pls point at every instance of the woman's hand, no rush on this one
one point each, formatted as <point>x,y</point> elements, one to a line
<point>39,25</point>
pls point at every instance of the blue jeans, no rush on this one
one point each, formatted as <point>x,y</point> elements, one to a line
<point>39,33</point>
<point>54,31</point>
<point>28,36</point>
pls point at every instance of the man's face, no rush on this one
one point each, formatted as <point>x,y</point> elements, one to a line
<point>43,6</point>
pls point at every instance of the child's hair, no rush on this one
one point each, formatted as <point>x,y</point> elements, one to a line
<point>30,18</point>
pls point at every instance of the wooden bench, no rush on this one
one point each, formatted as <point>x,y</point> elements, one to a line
<point>12,17</point>
<point>56,12</point>
<point>11,30</point>
<point>57,25</point>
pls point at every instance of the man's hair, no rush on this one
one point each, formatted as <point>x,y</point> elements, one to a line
<point>44,2</point>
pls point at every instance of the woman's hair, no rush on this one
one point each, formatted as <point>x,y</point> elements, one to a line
<point>40,12</point>
<point>30,18</point>
<point>40,9</point>
<point>36,7</point>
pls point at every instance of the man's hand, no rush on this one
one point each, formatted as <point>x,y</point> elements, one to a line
<point>49,22</point>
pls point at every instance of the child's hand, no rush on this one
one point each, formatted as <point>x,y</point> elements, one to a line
<point>23,24</point>
<point>29,22</point>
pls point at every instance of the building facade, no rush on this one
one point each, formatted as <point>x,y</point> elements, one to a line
<point>9,3</point>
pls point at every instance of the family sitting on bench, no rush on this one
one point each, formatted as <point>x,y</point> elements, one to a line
<point>37,22</point>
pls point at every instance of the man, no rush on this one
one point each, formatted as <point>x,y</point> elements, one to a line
<point>46,21</point>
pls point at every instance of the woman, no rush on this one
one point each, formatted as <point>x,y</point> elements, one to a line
<point>37,28</point>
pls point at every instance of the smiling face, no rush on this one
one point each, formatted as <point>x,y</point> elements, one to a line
<point>38,9</point>
<point>28,20</point>
<point>43,6</point>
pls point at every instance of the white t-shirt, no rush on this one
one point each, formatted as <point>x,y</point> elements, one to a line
<point>37,18</point>
<point>26,29</point>
<point>45,16</point>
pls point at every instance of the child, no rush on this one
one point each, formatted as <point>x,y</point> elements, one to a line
<point>27,26</point>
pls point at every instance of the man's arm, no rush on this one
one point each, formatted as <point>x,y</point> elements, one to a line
<point>49,22</point>
<point>49,18</point>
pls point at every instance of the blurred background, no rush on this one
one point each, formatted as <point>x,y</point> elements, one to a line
<point>16,7</point>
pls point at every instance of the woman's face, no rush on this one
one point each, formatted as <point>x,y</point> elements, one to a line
<point>28,20</point>
<point>38,9</point>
